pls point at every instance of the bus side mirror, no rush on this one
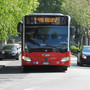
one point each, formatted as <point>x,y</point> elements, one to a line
<point>72,31</point>
<point>20,27</point>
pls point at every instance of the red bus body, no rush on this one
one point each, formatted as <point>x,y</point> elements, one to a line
<point>54,58</point>
<point>45,58</point>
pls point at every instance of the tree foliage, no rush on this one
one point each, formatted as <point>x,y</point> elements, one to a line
<point>11,12</point>
<point>79,10</point>
<point>49,6</point>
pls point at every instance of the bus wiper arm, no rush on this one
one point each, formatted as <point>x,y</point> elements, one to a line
<point>34,42</point>
<point>59,49</point>
<point>53,47</point>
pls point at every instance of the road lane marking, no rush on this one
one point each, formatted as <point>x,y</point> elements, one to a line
<point>30,88</point>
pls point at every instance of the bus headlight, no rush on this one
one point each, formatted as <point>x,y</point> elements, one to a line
<point>26,58</point>
<point>65,59</point>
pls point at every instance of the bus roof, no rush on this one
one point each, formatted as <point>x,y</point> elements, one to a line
<point>46,14</point>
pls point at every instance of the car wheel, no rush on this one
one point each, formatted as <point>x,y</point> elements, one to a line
<point>77,63</point>
<point>78,58</point>
<point>17,57</point>
<point>81,62</point>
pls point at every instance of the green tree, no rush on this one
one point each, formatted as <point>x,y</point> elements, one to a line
<point>49,6</point>
<point>11,12</point>
<point>79,10</point>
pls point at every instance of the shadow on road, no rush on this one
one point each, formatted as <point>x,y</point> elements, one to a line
<point>19,69</point>
<point>11,69</point>
<point>8,60</point>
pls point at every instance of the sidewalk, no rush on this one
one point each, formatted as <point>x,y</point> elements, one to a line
<point>4,63</point>
<point>9,62</point>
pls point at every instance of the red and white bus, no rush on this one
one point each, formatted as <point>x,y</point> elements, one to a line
<point>45,40</point>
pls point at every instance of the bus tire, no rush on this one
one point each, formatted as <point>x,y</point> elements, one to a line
<point>65,68</point>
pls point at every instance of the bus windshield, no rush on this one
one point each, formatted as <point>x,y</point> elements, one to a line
<point>46,38</point>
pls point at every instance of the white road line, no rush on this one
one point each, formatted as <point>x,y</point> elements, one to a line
<point>30,88</point>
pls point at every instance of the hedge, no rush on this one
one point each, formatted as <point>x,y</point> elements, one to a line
<point>76,48</point>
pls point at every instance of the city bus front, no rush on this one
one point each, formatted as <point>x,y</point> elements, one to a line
<point>46,43</point>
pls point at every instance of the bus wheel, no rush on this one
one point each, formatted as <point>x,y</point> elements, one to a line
<point>64,69</point>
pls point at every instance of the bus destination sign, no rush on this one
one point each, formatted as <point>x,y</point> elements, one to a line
<point>46,20</point>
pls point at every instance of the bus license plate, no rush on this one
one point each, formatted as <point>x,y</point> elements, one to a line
<point>45,63</point>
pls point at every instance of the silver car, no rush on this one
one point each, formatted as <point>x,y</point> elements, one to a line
<point>10,51</point>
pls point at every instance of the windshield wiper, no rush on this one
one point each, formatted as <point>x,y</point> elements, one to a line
<point>48,45</point>
<point>60,49</point>
<point>34,42</point>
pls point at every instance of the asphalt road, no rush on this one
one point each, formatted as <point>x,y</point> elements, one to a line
<point>12,77</point>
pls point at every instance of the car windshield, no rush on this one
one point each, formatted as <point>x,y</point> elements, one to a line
<point>9,47</point>
<point>44,37</point>
<point>86,49</point>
